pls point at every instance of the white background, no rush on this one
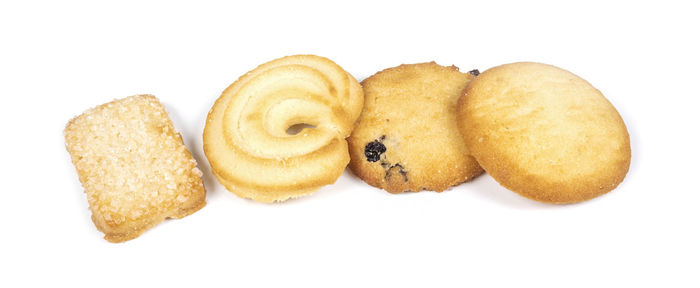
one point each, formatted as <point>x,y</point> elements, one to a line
<point>59,58</point>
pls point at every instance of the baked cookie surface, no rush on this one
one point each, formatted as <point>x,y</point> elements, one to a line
<point>406,138</point>
<point>248,139</point>
<point>134,167</point>
<point>544,132</point>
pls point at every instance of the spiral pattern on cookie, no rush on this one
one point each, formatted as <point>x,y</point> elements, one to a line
<point>246,137</point>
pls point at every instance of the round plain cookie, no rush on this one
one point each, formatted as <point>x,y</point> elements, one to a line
<point>544,133</point>
<point>406,138</point>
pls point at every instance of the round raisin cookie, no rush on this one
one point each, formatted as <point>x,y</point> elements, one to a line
<point>406,138</point>
<point>544,133</point>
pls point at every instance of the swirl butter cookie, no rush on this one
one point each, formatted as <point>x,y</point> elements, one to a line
<point>248,141</point>
<point>407,137</point>
<point>544,133</point>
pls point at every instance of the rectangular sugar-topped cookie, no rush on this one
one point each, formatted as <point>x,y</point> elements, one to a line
<point>134,166</point>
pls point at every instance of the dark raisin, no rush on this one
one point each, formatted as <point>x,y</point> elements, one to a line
<point>475,72</point>
<point>387,173</point>
<point>404,174</point>
<point>374,150</point>
<point>385,164</point>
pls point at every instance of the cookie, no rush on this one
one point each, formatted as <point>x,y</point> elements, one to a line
<point>134,167</point>
<point>407,137</point>
<point>279,131</point>
<point>544,133</point>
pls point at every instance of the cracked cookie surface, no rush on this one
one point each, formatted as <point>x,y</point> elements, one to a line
<point>406,138</point>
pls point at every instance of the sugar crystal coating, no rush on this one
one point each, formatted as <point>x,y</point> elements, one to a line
<point>134,167</point>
